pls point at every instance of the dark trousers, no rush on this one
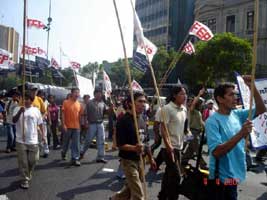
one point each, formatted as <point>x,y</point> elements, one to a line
<point>53,129</point>
<point>11,136</point>
<point>171,179</point>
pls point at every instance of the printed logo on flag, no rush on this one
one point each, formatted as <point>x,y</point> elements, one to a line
<point>189,48</point>
<point>35,23</point>
<point>150,48</point>
<point>54,63</point>
<point>75,65</point>
<point>107,84</point>
<point>201,31</point>
<point>33,50</point>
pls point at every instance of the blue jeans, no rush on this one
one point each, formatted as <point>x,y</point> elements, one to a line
<point>74,136</point>
<point>11,136</point>
<point>96,130</point>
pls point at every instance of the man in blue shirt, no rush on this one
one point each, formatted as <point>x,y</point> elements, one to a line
<point>226,133</point>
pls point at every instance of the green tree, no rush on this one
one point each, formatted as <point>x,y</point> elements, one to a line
<point>217,59</point>
<point>69,78</point>
<point>89,69</point>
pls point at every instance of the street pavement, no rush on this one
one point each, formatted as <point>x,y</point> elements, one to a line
<point>55,179</point>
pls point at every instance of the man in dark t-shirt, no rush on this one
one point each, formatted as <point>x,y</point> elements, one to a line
<point>130,151</point>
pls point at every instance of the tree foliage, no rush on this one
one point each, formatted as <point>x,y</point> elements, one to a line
<point>89,69</point>
<point>217,59</point>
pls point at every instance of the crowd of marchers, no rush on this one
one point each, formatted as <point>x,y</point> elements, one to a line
<point>35,123</point>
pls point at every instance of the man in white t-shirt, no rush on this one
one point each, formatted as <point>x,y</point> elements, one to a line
<point>27,120</point>
<point>174,114</point>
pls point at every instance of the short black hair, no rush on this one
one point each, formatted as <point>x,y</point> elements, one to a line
<point>174,91</point>
<point>28,96</point>
<point>220,90</point>
<point>50,96</point>
<point>97,90</point>
<point>86,95</point>
<point>74,89</point>
<point>16,93</point>
<point>136,96</point>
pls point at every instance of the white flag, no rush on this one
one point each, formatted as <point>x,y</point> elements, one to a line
<point>4,59</point>
<point>138,30</point>
<point>136,86</point>
<point>201,31</point>
<point>151,49</point>
<point>107,84</point>
<point>189,48</point>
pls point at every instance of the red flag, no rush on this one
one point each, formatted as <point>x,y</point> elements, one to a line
<point>35,23</point>
<point>75,65</point>
<point>201,31</point>
<point>189,48</point>
<point>33,50</point>
<point>54,63</point>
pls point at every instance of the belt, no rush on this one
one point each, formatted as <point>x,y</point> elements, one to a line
<point>96,122</point>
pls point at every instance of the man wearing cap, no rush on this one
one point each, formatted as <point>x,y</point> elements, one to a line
<point>95,114</point>
<point>209,110</point>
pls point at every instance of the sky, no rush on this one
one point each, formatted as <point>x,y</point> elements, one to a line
<point>86,30</point>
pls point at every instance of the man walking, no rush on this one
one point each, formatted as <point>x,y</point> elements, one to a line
<point>226,132</point>
<point>27,119</point>
<point>95,115</point>
<point>175,116</point>
<point>71,114</point>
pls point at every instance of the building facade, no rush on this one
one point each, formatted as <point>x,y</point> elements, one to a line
<point>9,40</point>
<point>166,22</point>
<point>237,16</point>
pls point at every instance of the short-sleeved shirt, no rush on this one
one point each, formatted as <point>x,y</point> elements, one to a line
<point>11,105</point>
<point>53,110</point>
<point>39,103</point>
<point>32,118</point>
<point>95,111</point>
<point>125,133</point>
<point>175,121</point>
<point>220,129</point>
<point>72,111</point>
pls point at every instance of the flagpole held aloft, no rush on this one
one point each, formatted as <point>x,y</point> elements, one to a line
<point>127,69</point>
<point>254,61</point>
<point>23,64</point>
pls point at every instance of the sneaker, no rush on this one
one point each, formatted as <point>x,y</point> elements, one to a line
<point>76,163</point>
<point>101,161</point>
<point>25,185</point>
<point>63,156</point>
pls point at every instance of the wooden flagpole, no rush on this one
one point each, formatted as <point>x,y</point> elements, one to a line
<point>254,61</point>
<point>254,58</point>
<point>174,61</point>
<point>127,69</point>
<point>23,63</point>
<point>158,96</point>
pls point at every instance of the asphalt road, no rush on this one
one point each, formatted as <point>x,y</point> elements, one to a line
<point>55,179</point>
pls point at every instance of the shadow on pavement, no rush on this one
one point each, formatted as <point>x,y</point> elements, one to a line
<point>263,196</point>
<point>12,187</point>
<point>111,184</point>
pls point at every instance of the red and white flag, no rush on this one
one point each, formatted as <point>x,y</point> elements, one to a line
<point>107,84</point>
<point>4,59</point>
<point>151,49</point>
<point>136,86</point>
<point>189,48</point>
<point>75,65</point>
<point>33,51</point>
<point>54,63</point>
<point>201,31</point>
<point>35,23</point>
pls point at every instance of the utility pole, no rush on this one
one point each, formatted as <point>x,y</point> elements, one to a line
<point>47,28</point>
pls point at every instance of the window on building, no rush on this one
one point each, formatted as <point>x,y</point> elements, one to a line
<point>212,25</point>
<point>250,22</point>
<point>230,23</point>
